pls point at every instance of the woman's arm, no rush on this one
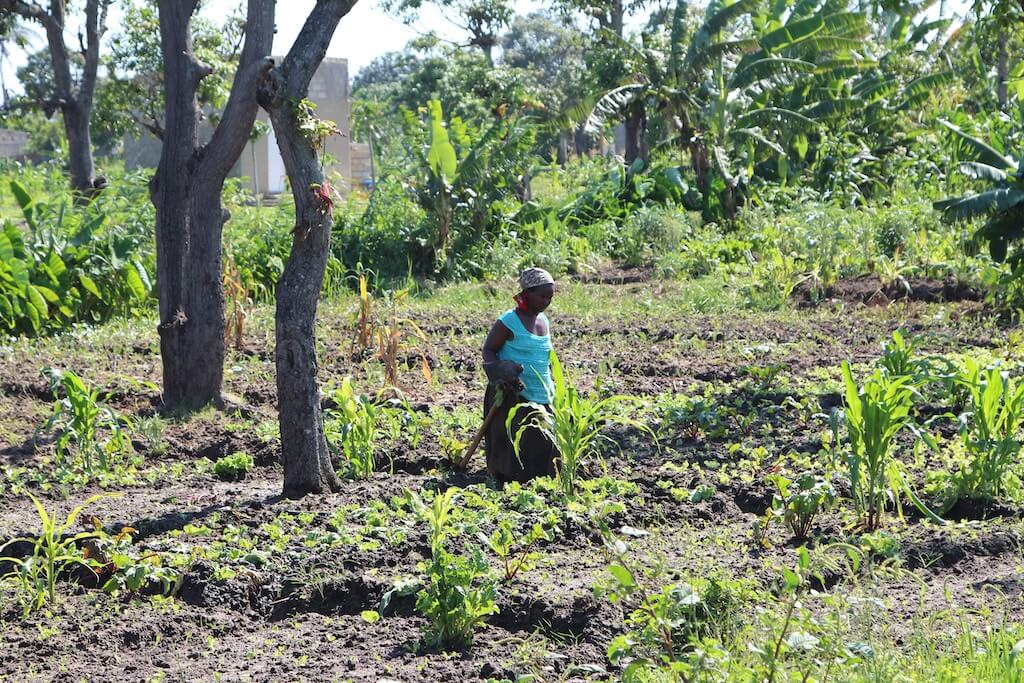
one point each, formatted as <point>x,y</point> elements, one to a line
<point>499,371</point>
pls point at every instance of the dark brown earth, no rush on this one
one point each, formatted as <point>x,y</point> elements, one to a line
<point>298,617</point>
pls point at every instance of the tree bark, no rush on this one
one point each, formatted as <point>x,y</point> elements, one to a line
<point>186,192</point>
<point>307,463</point>
<point>636,125</point>
<point>563,146</point>
<point>75,102</point>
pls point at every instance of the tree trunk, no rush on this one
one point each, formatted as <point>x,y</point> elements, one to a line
<point>307,463</point>
<point>636,124</point>
<point>75,102</point>
<point>563,147</point>
<point>80,163</point>
<point>186,192</point>
<point>1003,70</point>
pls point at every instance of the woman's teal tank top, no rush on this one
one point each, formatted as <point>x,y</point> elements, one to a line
<point>532,352</point>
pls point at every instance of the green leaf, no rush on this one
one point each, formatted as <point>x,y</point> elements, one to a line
<point>24,200</point>
<point>19,272</point>
<point>37,301</point>
<point>6,248</point>
<point>977,150</point>
<point>134,282</point>
<point>622,575</point>
<point>441,156</point>
<point>48,294</point>
<point>800,145</point>
<point>89,285</point>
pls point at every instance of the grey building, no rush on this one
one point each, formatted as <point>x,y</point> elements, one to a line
<point>12,143</point>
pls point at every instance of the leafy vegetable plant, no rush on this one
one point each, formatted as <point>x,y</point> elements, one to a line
<point>234,466</point>
<point>515,554</point>
<point>458,591</point>
<point>799,502</point>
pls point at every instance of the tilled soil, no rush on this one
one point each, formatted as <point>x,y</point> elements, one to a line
<point>299,616</point>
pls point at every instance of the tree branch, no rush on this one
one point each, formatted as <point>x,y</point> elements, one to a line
<point>310,46</point>
<point>28,10</point>
<point>232,133</point>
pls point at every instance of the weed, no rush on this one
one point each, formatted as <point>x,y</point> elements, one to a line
<point>666,622</point>
<point>233,467</point>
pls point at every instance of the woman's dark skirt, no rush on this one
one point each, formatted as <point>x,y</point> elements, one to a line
<point>536,452</point>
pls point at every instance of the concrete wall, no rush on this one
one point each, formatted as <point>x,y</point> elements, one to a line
<point>12,143</point>
<point>261,160</point>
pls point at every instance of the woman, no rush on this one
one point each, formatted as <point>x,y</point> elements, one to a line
<point>517,363</point>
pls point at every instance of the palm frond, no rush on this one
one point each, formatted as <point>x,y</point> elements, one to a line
<point>977,150</point>
<point>611,104</point>
<point>756,135</point>
<point>771,67</point>
<point>980,171</point>
<point>774,116</point>
<point>972,206</point>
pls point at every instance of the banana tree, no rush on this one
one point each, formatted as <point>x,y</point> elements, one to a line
<point>465,172</point>
<point>1001,204</point>
<point>729,88</point>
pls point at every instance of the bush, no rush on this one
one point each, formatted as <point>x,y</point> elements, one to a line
<point>233,467</point>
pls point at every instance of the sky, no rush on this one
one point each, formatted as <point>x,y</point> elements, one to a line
<point>364,33</point>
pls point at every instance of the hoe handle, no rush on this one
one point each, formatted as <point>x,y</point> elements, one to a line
<point>479,435</point>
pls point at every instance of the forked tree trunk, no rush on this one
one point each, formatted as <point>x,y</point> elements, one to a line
<point>186,192</point>
<point>307,463</point>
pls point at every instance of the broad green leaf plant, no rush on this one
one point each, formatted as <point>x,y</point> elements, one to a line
<point>573,425</point>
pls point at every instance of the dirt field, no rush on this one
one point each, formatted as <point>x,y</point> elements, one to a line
<point>294,609</point>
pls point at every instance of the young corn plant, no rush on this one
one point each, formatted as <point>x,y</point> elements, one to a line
<point>573,425</point>
<point>989,431</point>
<point>875,413</point>
<point>358,418</point>
<point>80,420</point>
<point>459,591</point>
<point>54,551</point>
